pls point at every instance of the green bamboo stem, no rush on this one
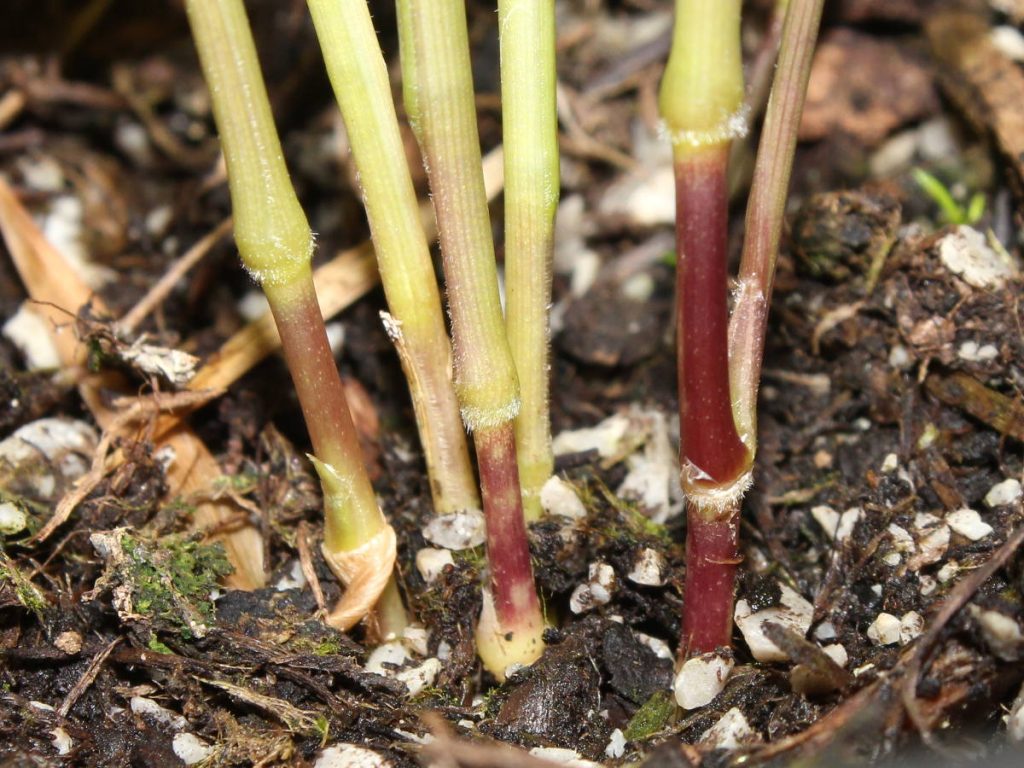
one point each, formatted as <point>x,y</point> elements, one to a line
<point>530,132</point>
<point>440,101</point>
<point>359,77</point>
<point>438,88</point>
<point>701,96</point>
<point>276,245</point>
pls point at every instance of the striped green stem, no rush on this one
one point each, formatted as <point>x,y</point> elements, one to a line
<point>276,246</point>
<point>530,132</point>
<point>439,99</point>
<point>359,76</point>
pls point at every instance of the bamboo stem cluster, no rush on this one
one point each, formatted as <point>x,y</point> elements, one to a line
<point>438,87</point>
<point>276,246</point>
<point>492,374</point>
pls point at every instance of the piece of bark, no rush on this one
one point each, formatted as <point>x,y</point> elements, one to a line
<point>985,84</point>
<point>1004,414</point>
<point>865,88</point>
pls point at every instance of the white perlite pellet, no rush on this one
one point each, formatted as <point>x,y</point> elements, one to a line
<point>32,335</point>
<point>350,756</point>
<point>967,254</point>
<point>559,498</point>
<point>649,569</point>
<point>561,756</point>
<point>596,591</point>
<point>827,518</point>
<point>884,630</point>
<point>911,626</point>
<point>1006,492</point>
<point>430,562</point>
<point>43,457</point>
<point>731,730</point>
<point>968,523</point>
<point>837,653</point>
<point>1015,719</point>
<point>420,677</point>
<point>1001,632</point>
<point>12,519</point>
<point>456,530</point>
<point>189,748</point>
<point>972,352</point>
<point>793,612</point>
<point>61,741</point>
<point>701,679</point>
<point>616,745</point>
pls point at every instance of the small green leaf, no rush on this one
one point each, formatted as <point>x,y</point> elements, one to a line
<point>940,195</point>
<point>652,717</point>
<point>975,208</point>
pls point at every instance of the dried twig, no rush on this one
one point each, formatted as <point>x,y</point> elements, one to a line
<point>446,750</point>
<point>139,409</point>
<point>293,718</point>
<point>87,678</point>
<point>955,600</point>
<point>155,295</point>
<point>870,699</point>
<point>187,157</point>
<point>306,561</point>
<point>831,319</point>
<point>11,105</point>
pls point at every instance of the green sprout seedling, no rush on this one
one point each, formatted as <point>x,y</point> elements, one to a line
<point>950,210</point>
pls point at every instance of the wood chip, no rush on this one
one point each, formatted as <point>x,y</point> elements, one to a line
<point>864,88</point>
<point>985,83</point>
<point>1004,414</point>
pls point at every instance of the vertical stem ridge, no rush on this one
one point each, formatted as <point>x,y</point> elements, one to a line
<point>530,132</point>
<point>359,77</point>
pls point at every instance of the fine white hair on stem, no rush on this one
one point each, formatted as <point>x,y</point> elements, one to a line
<point>476,418</point>
<point>714,501</point>
<point>734,125</point>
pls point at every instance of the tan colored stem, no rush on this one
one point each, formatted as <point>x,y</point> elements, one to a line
<point>766,208</point>
<point>360,79</point>
<point>365,571</point>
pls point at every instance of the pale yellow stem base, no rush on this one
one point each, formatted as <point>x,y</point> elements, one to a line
<point>502,647</point>
<point>365,572</point>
